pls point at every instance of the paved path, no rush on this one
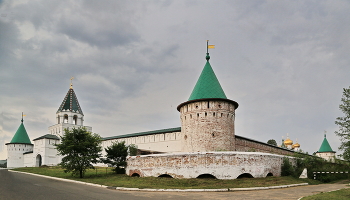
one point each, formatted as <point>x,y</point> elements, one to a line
<point>23,186</point>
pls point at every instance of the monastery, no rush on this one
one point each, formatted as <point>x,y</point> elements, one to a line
<point>204,145</point>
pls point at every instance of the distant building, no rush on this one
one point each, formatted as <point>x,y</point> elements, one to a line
<point>326,151</point>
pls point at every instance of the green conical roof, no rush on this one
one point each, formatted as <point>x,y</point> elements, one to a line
<point>21,135</point>
<point>325,147</point>
<point>208,85</point>
<point>70,103</point>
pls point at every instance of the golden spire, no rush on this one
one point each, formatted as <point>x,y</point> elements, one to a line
<point>71,84</point>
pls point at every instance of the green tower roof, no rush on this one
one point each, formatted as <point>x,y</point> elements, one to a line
<point>208,85</point>
<point>70,103</point>
<point>325,147</point>
<point>21,136</point>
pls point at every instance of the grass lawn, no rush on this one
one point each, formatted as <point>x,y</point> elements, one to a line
<point>105,176</point>
<point>343,194</point>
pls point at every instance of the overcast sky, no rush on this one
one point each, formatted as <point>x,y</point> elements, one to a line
<point>133,62</point>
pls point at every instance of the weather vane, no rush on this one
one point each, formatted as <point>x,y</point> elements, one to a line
<point>71,83</point>
<point>210,46</point>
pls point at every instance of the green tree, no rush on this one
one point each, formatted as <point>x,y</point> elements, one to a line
<point>116,156</point>
<point>80,149</point>
<point>344,124</point>
<point>272,142</point>
<point>132,150</point>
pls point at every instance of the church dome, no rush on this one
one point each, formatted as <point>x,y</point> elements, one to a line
<point>296,145</point>
<point>288,142</point>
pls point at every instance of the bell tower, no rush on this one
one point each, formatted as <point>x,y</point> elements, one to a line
<point>207,118</point>
<point>69,114</point>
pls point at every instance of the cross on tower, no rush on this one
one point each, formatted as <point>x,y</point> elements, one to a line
<point>71,83</point>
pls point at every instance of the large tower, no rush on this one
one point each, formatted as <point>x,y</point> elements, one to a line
<point>207,118</point>
<point>69,114</point>
<point>19,145</point>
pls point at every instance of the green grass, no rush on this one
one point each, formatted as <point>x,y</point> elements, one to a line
<point>343,194</point>
<point>105,176</point>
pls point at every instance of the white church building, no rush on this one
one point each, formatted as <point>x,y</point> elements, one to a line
<point>22,153</point>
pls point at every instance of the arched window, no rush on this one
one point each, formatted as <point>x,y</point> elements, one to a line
<point>75,120</point>
<point>65,118</point>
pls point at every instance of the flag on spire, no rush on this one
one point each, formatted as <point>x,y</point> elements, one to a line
<point>210,46</point>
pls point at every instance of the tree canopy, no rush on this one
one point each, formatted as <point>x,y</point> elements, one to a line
<point>344,124</point>
<point>116,156</point>
<point>80,149</point>
<point>272,142</point>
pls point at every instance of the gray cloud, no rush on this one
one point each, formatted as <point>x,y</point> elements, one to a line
<point>285,63</point>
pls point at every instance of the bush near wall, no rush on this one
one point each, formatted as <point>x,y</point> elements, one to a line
<point>315,164</point>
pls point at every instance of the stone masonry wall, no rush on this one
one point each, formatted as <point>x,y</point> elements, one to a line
<point>222,165</point>
<point>207,126</point>
<point>245,145</point>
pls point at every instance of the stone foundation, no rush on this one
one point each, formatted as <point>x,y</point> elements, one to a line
<point>221,165</point>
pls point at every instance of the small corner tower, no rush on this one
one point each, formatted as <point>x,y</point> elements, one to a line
<point>69,114</point>
<point>207,118</point>
<point>19,145</point>
<point>326,151</point>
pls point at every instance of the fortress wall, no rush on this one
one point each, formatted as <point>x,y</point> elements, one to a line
<point>222,165</point>
<point>246,145</point>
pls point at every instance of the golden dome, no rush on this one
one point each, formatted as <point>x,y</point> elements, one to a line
<point>296,145</point>
<point>288,142</point>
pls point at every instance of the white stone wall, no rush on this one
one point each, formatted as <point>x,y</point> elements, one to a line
<point>329,156</point>
<point>163,142</point>
<point>222,165</point>
<point>15,157</point>
<point>28,160</point>
<point>58,129</point>
<point>208,126</point>
<point>46,149</point>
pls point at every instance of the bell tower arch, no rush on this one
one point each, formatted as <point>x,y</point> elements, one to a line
<point>69,114</point>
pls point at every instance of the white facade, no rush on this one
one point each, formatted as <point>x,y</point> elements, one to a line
<point>329,156</point>
<point>169,142</point>
<point>58,129</point>
<point>45,151</point>
<point>15,153</point>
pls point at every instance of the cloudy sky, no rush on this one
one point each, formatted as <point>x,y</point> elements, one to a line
<point>285,63</point>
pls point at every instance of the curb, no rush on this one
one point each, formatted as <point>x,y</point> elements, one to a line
<point>167,190</point>
<point>62,179</point>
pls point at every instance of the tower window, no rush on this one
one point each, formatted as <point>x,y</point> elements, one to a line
<point>65,118</point>
<point>75,120</point>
